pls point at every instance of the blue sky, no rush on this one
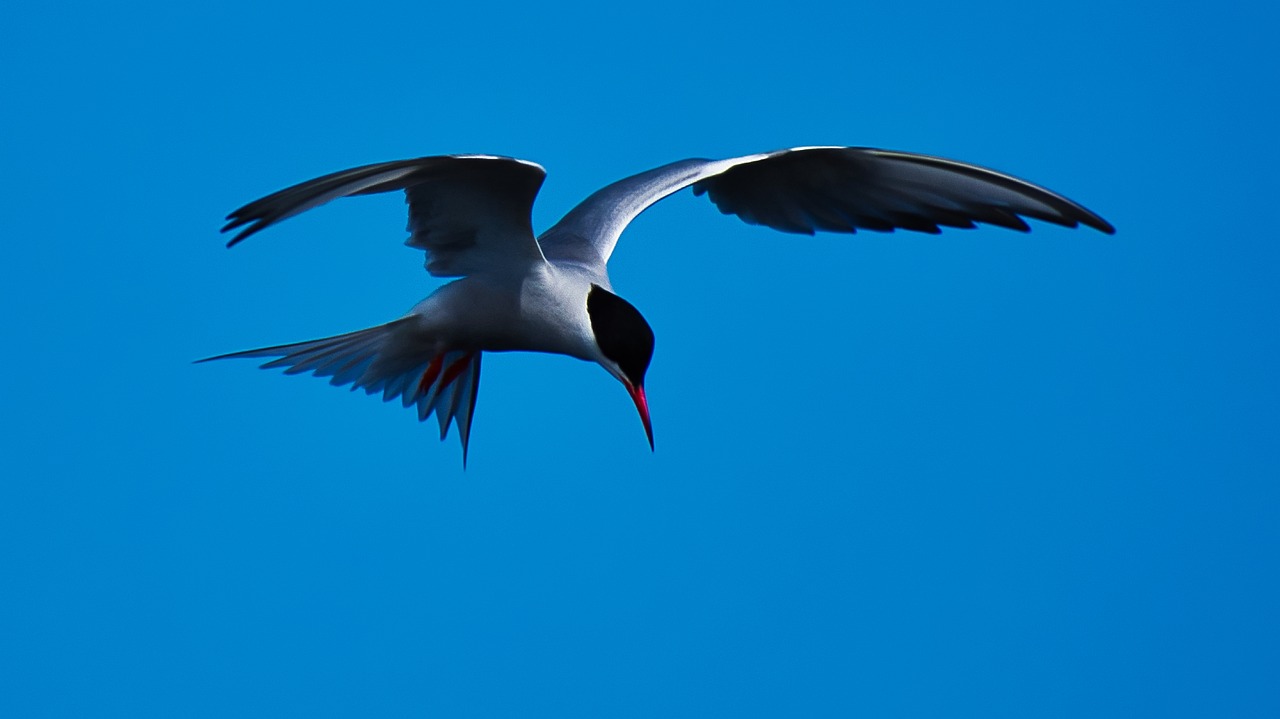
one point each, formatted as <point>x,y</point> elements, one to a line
<point>1019,475</point>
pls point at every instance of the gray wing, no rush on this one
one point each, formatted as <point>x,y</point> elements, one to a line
<point>805,189</point>
<point>469,213</point>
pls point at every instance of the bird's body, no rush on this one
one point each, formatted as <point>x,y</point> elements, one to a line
<point>542,309</point>
<point>471,214</point>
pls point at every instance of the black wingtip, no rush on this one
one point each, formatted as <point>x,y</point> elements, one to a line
<point>229,355</point>
<point>242,236</point>
<point>1087,219</point>
<point>249,224</point>
<point>1101,225</point>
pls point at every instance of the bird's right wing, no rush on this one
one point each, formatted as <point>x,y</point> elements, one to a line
<point>470,213</point>
<point>805,189</point>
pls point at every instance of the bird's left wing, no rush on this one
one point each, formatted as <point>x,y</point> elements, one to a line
<point>470,213</point>
<point>805,189</point>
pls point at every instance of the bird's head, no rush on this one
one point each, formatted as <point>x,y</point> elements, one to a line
<point>626,345</point>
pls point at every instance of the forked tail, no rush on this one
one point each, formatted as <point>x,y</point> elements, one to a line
<point>375,360</point>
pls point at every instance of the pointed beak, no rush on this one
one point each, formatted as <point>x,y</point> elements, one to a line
<point>642,406</point>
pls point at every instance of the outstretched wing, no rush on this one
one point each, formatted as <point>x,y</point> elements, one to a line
<point>805,189</point>
<point>470,213</point>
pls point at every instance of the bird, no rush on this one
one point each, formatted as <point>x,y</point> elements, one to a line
<point>512,290</point>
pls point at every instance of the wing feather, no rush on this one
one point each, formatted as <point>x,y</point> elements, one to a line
<point>469,213</point>
<point>833,189</point>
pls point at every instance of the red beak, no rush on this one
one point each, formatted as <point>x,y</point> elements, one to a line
<point>642,406</point>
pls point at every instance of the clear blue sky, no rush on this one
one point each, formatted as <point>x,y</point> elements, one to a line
<point>1020,476</point>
